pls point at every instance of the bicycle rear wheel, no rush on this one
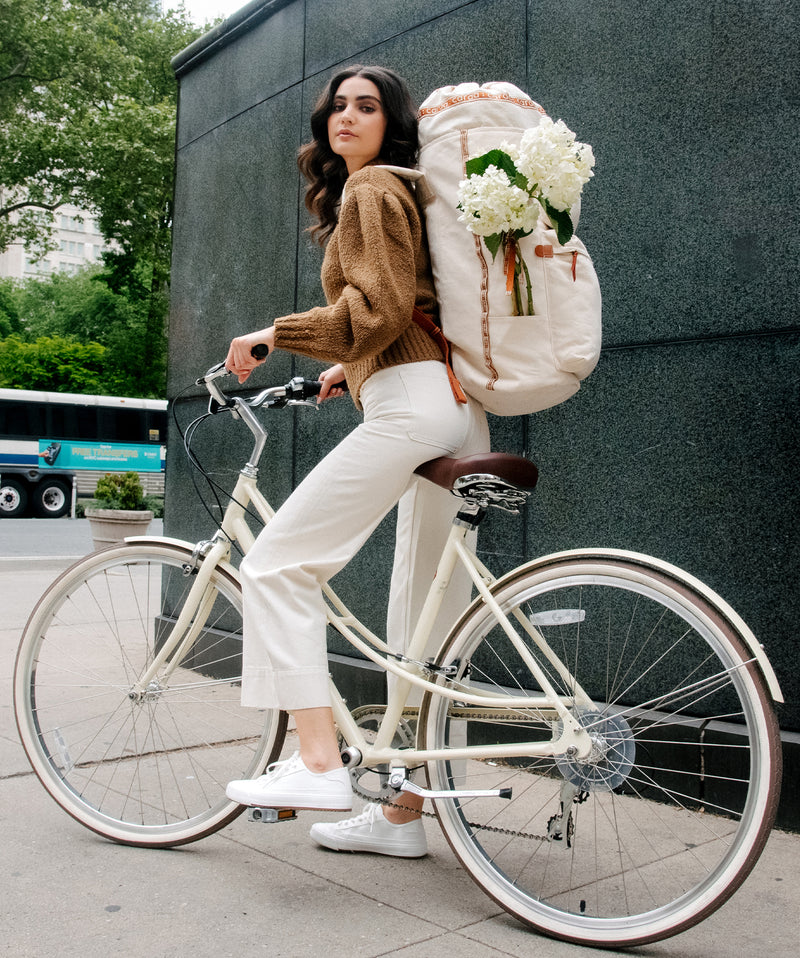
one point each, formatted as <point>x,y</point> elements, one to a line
<point>146,769</point>
<point>669,813</point>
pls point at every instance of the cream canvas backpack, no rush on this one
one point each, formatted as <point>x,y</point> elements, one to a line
<point>513,365</point>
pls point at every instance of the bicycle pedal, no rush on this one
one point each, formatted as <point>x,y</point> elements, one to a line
<point>269,816</point>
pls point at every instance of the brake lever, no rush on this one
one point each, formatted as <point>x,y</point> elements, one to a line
<point>217,370</point>
<point>281,402</point>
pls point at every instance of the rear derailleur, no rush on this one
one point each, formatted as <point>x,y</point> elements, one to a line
<point>561,827</point>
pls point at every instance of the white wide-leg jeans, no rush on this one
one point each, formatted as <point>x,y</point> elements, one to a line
<point>410,416</point>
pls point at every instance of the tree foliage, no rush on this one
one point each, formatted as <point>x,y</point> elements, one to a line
<point>9,312</point>
<point>54,363</point>
<point>39,318</point>
<point>87,115</point>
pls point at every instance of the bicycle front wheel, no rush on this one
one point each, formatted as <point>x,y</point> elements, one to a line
<point>142,767</point>
<point>663,820</point>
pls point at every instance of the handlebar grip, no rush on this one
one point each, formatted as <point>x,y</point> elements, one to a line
<point>313,387</point>
<point>260,351</point>
<point>304,388</point>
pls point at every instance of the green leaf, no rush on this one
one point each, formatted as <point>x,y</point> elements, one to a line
<point>478,165</point>
<point>521,181</point>
<point>562,223</point>
<point>493,243</point>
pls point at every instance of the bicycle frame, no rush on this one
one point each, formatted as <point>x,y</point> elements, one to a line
<point>629,828</point>
<point>410,672</point>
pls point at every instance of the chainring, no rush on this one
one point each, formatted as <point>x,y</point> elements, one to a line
<point>372,783</point>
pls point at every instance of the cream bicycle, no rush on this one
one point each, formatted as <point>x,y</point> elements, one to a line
<point>597,730</point>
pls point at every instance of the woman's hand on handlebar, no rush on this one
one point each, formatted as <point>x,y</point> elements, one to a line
<point>240,359</point>
<point>332,383</point>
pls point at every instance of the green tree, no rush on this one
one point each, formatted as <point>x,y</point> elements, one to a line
<point>84,308</point>
<point>52,363</point>
<point>87,115</point>
<point>87,109</point>
<point>9,311</point>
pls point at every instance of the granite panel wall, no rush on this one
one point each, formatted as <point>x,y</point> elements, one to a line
<point>692,111</point>
<point>681,444</point>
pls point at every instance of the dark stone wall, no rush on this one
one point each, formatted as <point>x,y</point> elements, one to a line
<point>681,444</point>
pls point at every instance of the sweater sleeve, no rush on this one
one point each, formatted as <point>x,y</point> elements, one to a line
<point>376,251</point>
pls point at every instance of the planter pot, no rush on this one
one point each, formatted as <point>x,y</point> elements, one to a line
<point>110,526</point>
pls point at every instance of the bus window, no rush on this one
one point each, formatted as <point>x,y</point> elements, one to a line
<point>20,420</point>
<point>71,422</point>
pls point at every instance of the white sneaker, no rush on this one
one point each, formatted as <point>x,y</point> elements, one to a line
<point>290,784</point>
<point>371,832</point>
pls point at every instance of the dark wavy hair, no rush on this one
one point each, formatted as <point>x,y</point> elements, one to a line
<point>326,172</point>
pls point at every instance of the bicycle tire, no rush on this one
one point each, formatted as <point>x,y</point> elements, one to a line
<point>148,770</point>
<point>671,812</point>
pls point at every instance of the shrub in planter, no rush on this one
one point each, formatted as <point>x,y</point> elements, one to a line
<point>123,490</point>
<point>119,509</point>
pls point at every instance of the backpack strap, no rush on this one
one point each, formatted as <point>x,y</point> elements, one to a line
<point>424,196</point>
<point>435,332</point>
<point>415,177</point>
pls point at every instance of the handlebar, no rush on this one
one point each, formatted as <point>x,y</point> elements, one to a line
<point>297,392</point>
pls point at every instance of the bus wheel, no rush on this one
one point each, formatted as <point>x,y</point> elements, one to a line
<point>51,499</point>
<point>13,498</point>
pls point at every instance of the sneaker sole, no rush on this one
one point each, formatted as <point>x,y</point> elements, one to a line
<point>397,852</point>
<point>296,806</point>
<point>373,851</point>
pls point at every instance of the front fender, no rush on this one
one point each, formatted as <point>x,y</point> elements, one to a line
<point>187,547</point>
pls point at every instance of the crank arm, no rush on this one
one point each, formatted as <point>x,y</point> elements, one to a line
<point>406,786</point>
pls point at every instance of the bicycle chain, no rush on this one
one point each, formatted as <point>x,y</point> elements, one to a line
<point>483,828</point>
<point>486,828</point>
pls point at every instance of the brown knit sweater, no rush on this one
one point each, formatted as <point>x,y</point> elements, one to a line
<point>376,269</point>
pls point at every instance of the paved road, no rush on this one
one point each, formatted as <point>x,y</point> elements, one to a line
<point>266,889</point>
<point>38,538</point>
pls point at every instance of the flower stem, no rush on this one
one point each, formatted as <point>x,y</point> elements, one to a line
<point>527,283</point>
<point>518,310</point>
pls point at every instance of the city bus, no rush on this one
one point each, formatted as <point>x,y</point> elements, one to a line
<point>55,446</point>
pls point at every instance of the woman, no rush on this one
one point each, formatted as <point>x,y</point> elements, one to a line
<point>375,273</point>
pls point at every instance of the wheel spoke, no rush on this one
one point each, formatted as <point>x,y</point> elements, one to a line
<point>683,739</point>
<point>141,767</point>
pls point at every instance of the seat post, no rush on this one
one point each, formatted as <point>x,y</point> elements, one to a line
<point>470,514</point>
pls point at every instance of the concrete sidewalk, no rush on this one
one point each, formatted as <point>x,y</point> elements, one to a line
<point>267,889</point>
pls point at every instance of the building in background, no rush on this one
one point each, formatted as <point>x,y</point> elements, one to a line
<point>78,243</point>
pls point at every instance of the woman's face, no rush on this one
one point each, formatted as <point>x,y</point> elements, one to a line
<point>357,123</point>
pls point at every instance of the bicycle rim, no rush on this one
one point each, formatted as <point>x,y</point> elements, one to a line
<point>149,769</point>
<point>670,812</point>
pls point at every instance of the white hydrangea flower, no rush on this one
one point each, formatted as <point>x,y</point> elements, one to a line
<point>502,203</point>
<point>551,160</point>
<point>490,204</point>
